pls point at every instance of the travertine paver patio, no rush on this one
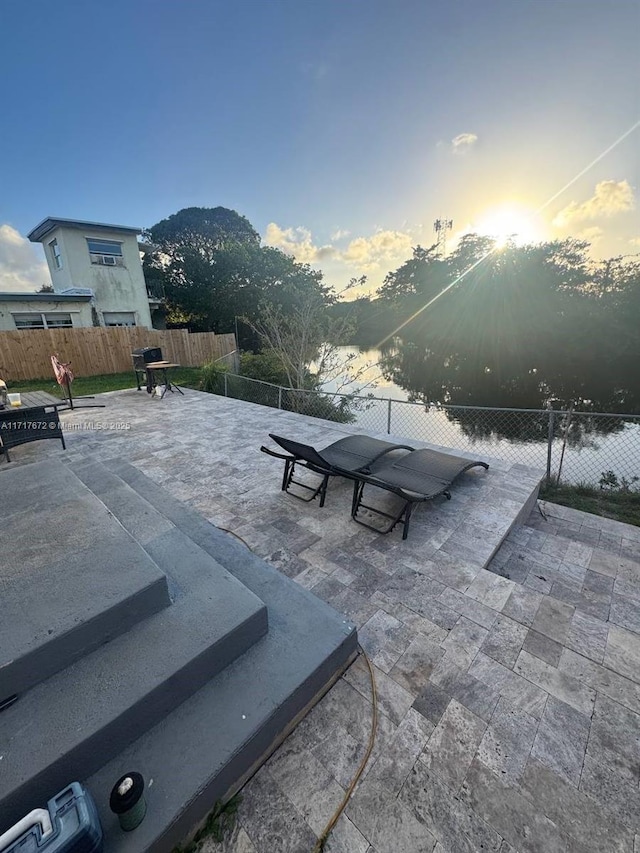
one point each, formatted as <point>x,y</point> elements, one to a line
<point>509,700</point>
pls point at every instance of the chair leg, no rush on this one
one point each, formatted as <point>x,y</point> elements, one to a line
<point>407,518</point>
<point>323,489</point>
<point>289,466</point>
<point>403,516</point>
<point>358,488</point>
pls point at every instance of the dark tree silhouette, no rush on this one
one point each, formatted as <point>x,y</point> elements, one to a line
<point>520,326</point>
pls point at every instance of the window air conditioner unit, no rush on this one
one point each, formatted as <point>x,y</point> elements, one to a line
<point>109,260</point>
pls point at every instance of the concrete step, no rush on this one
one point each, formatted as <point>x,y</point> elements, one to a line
<point>85,578</point>
<point>207,747</point>
<point>70,725</point>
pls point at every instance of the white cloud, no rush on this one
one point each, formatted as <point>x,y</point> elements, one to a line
<point>367,253</point>
<point>20,267</point>
<point>296,242</point>
<point>609,198</point>
<point>463,142</point>
<point>339,234</point>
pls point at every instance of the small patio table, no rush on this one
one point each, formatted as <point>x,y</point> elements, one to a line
<point>163,367</point>
<point>34,420</point>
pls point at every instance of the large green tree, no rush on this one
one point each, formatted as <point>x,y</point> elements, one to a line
<point>214,270</point>
<point>206,228</point>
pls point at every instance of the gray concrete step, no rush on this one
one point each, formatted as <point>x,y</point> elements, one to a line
<point>70,725</point>
<point>71,577</point>
<point>208,746</point>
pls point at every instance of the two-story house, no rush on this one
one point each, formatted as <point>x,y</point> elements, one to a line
<point>97,279</point>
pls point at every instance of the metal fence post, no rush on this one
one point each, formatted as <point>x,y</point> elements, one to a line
<point>550,444</point>
<point>225,386</point>
<point>389,417</point>
<point>280,397</point>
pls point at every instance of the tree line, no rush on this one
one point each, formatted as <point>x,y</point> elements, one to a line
<point>516,326</point>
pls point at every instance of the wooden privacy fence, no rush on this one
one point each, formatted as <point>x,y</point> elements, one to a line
<point>27,354</point>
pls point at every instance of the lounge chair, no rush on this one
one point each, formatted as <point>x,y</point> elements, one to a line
<point>346,457</point>
<point>416,477</point>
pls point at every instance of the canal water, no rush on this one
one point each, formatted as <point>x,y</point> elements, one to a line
<point>594,445</point>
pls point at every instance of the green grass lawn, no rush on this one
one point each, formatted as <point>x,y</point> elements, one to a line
<point>620,505</point>
<point>189,377</point>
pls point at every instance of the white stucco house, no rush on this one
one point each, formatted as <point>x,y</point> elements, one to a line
<point>44,311</point>
<point>97,279</point>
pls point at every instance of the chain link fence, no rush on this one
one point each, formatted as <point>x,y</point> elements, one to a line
<point>572,447</point>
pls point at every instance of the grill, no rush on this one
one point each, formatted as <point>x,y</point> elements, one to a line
<point>144,356</point>
<point>141,358</point>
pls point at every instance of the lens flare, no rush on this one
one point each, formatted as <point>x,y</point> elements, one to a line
<point>509,223</point>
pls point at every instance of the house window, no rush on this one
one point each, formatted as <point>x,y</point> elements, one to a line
<point>105,252</point>
<point>56,254</point>
<point>57,320</point>
<point>29,321</point>
<point>119,318</point>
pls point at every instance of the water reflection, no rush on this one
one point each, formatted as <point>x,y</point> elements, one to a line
<point>578,430</point>
<point>593,443</point>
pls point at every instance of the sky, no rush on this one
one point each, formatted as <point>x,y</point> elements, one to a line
<point>342,129</point>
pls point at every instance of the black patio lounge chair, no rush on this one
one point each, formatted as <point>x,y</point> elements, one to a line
<point>344,458</point>
<point>416,477</point>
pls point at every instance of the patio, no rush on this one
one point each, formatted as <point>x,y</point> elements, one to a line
<point>505,644</point>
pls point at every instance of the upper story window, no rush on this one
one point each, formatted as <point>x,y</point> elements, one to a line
<point>105,252</point>
<point>59,320</point>
<point>56,255</point>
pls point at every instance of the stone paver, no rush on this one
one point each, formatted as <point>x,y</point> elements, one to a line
<point>588,636</point>
<point>520,691</point>
<point>507,743</point>
<point>456,825</point>
<point>553,619</point>
<point>432,703</point>
<point>561,741</point>
<point>503,807</point>
<point>508,691</point>
<point>564,687</point>
<point>543,647</point>
<point>505,640</point>
<point>618,794</point>
<point>623,652</point>
<point>453,744</point>
<point>614,738</point>
<point>585,822</point>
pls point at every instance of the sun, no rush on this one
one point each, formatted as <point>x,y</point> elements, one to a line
<point>509,223</point>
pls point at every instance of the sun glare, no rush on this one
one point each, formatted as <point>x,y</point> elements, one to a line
<point>509,223</point>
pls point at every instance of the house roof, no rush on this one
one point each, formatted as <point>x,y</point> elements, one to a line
<point>6,296</point>
<point>37,234</point>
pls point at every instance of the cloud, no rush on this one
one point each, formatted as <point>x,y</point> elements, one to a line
<point>609,198</point>
<point>593,234</point>
<point>364,253</point>
<point>296,242</point>
<point>339,234</point>
<point>368,253</point>
<point>20,267</point>
<point>463,142</point>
